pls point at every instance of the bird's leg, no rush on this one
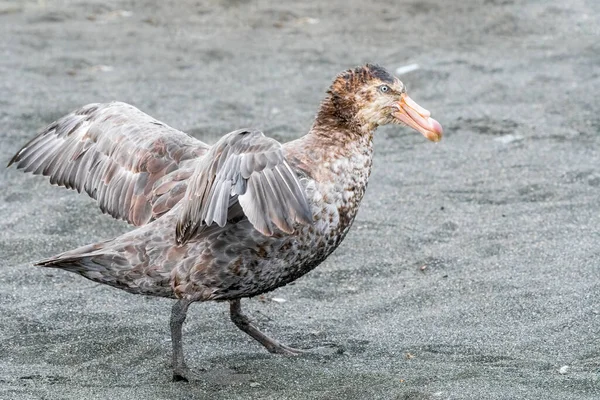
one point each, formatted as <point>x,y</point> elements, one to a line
<point>242,322</point>
<point>178,314</point>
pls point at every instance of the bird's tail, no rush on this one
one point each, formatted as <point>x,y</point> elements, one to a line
<point>103,264</point>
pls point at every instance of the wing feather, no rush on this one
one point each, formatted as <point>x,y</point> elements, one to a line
<point>244,167</point>
<point>115,153</point>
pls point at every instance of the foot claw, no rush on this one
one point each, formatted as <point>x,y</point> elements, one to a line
<point>325,349</point>
<point>177,377</point>
<point>285,350</point>
<point>182,375</point>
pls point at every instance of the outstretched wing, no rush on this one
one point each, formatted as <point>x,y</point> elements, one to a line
<point>116,154</point>
<point>249,168</point>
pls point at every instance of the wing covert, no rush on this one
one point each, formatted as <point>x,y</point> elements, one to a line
<point>246,167</point>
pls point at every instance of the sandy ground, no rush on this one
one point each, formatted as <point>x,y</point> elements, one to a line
<point>472,271</point>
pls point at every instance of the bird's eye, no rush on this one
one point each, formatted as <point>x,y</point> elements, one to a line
<point>384,88</point>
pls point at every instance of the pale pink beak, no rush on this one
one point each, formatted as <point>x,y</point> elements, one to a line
<point>418,118</point>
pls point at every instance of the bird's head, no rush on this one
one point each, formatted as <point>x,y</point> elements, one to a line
<point>367,97</point>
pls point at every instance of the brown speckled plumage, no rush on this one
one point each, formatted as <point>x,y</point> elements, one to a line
<point>234,220</point>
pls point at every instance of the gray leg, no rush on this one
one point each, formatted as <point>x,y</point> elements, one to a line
<point>242,322</point>
<point>178,314</point>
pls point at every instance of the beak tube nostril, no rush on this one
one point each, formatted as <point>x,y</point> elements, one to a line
<point>412,104</point>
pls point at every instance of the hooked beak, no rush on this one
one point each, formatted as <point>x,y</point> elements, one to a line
<point>418,118</point>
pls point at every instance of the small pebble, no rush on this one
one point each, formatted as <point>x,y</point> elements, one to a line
<point>564,369</point>
<point>406,69</point>
<point>506,139</point>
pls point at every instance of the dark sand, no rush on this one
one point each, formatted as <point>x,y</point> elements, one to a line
<point>503,214</point>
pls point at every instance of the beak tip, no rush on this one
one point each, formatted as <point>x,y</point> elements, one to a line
<point>436,132</point>
<point>434,137</point>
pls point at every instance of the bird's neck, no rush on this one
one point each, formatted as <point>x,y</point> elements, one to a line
<point>334,152</point>
<point>338,148</point>
<point>337,160</point>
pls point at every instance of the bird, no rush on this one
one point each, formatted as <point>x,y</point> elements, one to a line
<point>224,222</point>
